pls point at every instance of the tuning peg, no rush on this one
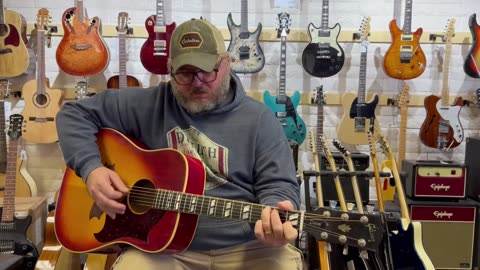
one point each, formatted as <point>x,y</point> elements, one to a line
<point>328,247</point>
<point>364,254</point>
<point>345,250</point>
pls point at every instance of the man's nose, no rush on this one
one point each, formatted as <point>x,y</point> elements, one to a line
<point>196,81</point>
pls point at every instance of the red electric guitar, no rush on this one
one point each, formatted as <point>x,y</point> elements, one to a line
<point>156,49</point>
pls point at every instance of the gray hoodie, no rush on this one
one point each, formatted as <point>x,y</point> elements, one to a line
<point>241,143</point>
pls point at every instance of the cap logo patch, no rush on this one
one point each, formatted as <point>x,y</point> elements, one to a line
<point>191,40</point>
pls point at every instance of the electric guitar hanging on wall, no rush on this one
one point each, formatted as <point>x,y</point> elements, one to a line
<point>244,48</point>
<point>442,128</point>
<point>323,56</point>
<point>404,58</point>
<point>13,238</point>
<point>14,57</point>
<point>357,114</point>
<point>283,106</point>
<point>156,49</point>
<point>41,102</point>
<point>472,62</point>
<point>154,221</point>
<point>122,80</point>
<point>82,51</point>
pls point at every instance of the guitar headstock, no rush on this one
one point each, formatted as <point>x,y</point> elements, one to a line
<point>341,148</point>
<point>82,90</point>
<point>385,147</point>
<point>318,96</point>
<point>15,128</point>
<point>43,19</point>
<point>328,153</point>
<point>122,25</point>
<point>363,231</point>
<point>449,30</point>
<point>284,23</point>
<point>404,96</point>
<point>371,143</point>
<point>4,89</point>
<point>365,30</point>
<point>313,146</point>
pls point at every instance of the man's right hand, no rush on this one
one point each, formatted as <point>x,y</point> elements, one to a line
<point>106,188</point>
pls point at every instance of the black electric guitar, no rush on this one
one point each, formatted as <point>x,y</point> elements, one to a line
<point>244,48</point>
<point>13,237</point>
<point>283,106</point>
<point>323,56</point>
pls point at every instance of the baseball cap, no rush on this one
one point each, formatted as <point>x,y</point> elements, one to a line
<point>196,42</point>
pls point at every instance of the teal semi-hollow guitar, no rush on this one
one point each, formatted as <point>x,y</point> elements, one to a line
<point>283,106</point>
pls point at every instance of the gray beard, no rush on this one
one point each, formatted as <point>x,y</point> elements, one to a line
<point>197,108</point>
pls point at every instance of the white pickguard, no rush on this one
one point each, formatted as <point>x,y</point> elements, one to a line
<point>331,40</point>
<point>450,114</point>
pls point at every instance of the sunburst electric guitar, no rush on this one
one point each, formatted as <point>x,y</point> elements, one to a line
<point>156,49</point>
<point>82,50</point>
<point>244,48</point>
<point>323,56</point>
<point>404,58</point>
<point>358,115</point>
<point>163,206</point>
<point>41,102</point>
<point>472,61</point>
<point>442,128</point>
<point>14,56</point>
<point>283,106</point>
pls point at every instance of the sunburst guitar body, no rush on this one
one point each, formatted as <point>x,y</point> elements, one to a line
<point>472,62</point>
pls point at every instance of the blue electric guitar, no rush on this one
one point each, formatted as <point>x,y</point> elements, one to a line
<point>283,106</point>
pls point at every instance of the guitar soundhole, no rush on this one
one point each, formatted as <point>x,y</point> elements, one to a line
<point>41,100</point>
<point>3,29</point>
<point>142,196</point>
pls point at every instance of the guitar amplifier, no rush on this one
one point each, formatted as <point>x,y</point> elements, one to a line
<point>361,162</point>
<point>448,232</point>
<point>428,179</point>
<point>472,148</point>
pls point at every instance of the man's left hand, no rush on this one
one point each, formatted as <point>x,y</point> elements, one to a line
<point>271,231</point>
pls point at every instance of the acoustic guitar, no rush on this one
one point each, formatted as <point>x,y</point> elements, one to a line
<point>14,56</point>
<point>244,48</point>
<point>13,238</point>
<point>405,58</point>
<point>358,115</point>
<point>472,61</point>
<point>82,51</point>
<point>41,102</point>
<point>442,128</point>
<point>122,80</point>
<point>323,56</point>
<point>406,241</point>
<point>155,51</point>
<point>164,201</point>
<point>283,106</point>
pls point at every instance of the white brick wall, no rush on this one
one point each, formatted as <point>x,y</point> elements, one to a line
<point>430,15</point>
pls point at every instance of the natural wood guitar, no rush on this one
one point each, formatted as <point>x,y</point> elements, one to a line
<point>14,57</point>
<point>358,115</point>
<point>405,58</point>
<point>165,200</point>
<point>41,102</point>
<point>155,51</point>
<point>82,51</point>
<point>442,128</point>
<point>122,80</point>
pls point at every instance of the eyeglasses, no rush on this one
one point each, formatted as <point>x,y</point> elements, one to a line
<point>184,78</point>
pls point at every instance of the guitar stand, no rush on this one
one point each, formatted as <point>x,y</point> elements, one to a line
<point>368,174</point>
<point>294,146</point>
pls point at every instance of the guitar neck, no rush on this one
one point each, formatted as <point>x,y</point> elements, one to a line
<point>213,206</point>
<point>362,78</point>
<point>282,93</point>
<point>407,22</point>
<point>10,181</point>
<point>398,185</point>
<point>2,13</point>
<point>325,5</point>
<point>122,51</point>
<point>378,184</point>
<point>446,69</point>
<point>41,61</point>
<point>356,191</point>
<point>244,17</point>
<point>403,135</point>
<point>3,139</point>
<point>80,10</point>
<point>160,23</point>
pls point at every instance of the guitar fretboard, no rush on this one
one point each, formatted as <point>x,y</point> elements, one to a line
<point>446,68</point>
<point>407,22</point>
<point>362,77</point>
<point>80,10</point>
<point>215,207</point>
<point>282,94</point>
<point>3,139</point>
<point>324,14</point>
<point>122,56</point>
<point>244,17</point>
<point>2,15</point>
<point>41,84</point>
<point>160,13</point>
<point>10,181</point>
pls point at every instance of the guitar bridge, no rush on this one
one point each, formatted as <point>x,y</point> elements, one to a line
<point>406,52</point>
<point>360,124</point>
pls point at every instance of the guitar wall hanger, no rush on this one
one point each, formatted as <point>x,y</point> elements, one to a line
<point>366,174</point>
<point>433,37</point>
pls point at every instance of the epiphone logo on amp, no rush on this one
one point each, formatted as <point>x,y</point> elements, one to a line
<point>437,187</point>
<point>442,214</point>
